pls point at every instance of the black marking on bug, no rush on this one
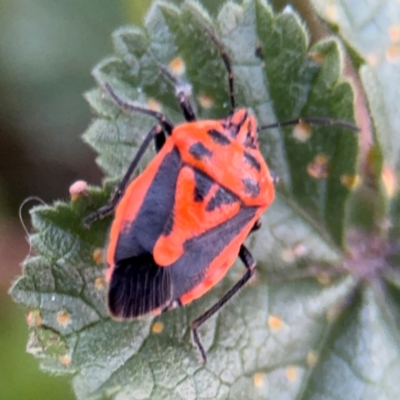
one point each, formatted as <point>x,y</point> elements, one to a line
<point>250,141</point>
<point>252,161</point>
<point>234,129</point>
<point>189,270</point>
<point>249,127</point>
<point>219,137</point>
<point>138,285</point>
<point>141,234</point>
<point>202,186</point>
<point>220,197</point>
<point>199,151</point>
<point>225,124</point>
<point>251,187</point>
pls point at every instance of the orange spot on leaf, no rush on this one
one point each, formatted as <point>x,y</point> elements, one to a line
<point>259,380</point>
<point>158,327</point>
<point>275,323</point>
<point>63,318</point>
<point>312,359</point>
<point>394,33</point>
<point>292,374</point>
<point>332,12</point>
<point>393,53</point>
<point>205,101</point>
<point>318,168</point>
<point>100,283</point>
<point>350,181</point>
<point>153,104</point>
<point>98,256</point>
<point>65,360</point>
<point>34,319</point>
<point>177,66</point>
<point>316,56</point>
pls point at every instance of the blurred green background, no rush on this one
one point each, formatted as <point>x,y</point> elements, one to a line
<point>47,50</point>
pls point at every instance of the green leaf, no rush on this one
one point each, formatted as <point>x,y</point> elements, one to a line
<point>273,340</point>
<point>362,357</point>
<point>314,89</point>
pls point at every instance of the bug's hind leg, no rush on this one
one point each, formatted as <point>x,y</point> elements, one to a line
<point>155,133</point>
<point>250,265</point>
<point>256,226</point>
<point>182,93</point>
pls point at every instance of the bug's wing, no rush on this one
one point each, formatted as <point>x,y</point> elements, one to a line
<point>207,257</point>
<point>137,284</point>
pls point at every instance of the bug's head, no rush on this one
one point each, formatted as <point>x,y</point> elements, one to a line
<point>242,126</point>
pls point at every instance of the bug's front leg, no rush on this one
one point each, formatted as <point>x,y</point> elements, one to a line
<point>156,134</point>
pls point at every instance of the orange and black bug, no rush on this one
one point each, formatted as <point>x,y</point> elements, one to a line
<point>180,225</point>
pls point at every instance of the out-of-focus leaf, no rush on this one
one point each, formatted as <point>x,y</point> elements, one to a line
<point>372,29</point>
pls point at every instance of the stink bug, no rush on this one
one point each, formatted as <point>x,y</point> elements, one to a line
<point>180,225</point>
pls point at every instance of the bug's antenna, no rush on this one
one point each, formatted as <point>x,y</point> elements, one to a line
<point>133,107</point>
<point>227,62</point>
<point>313,121</point>
<point>182,93</point>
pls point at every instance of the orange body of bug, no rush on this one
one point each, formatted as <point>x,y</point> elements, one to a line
<point>219,185</point>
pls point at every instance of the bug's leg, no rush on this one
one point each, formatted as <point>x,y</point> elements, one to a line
<point>182,93</point>
<point>256,226</point>
<point>312,121</point>
<point>130,107</point>
<point>154,133</point>
<point>258,52</point>
<point>250,265</point>
<point>228,65</point>
<point>159,141</point>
